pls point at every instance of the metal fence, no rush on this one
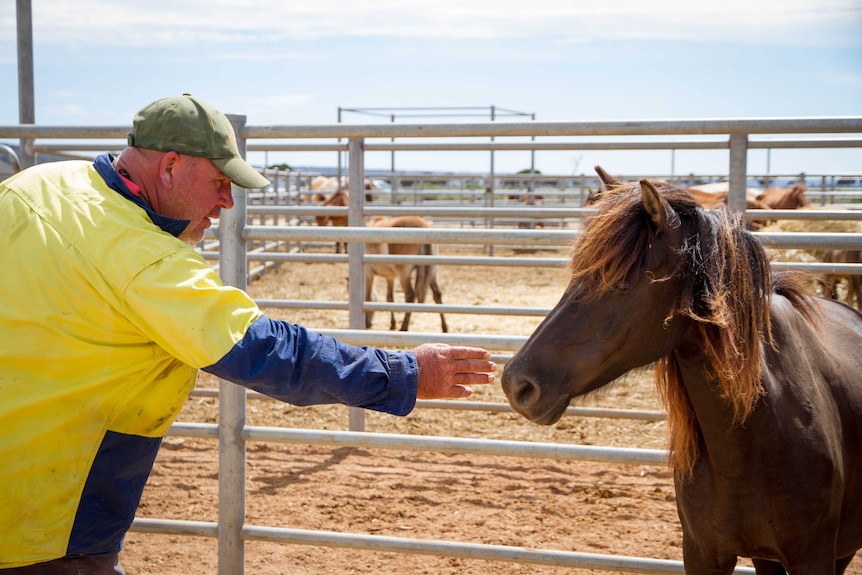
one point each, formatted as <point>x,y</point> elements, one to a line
<point>234,234</point>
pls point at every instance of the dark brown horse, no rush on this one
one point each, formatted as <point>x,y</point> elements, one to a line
<point>762,382</point>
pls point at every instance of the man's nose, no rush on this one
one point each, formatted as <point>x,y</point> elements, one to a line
<point>226,196</point>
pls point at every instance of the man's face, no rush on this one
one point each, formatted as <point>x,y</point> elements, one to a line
<point>196,190</point>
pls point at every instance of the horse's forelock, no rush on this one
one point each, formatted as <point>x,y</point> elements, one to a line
<point>610,249</point>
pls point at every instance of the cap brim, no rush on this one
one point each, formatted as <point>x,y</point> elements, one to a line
<point>241,173</point>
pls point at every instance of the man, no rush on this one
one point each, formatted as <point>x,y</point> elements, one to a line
<point>107,313</point>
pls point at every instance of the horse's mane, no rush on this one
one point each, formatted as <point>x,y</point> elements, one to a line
<point>725,287</point>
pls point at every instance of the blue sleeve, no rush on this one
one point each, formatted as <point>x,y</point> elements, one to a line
<point>290,363</point>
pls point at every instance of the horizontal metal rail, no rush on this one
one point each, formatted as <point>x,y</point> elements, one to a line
<point>696,127</point>
<point>537,212</point>
<point>712,126</point>
<point>533,450</point>
<point>427,211</point>
<point>403,307</point>
<point>382,543</point>
<point>809,241</point>
<point>814,240</point>
<point>410,235</point>
<point>488,261</point>
<point>493,407</point>
<point>560,146</point>
<point>411,339</point>
<point>496,447</point>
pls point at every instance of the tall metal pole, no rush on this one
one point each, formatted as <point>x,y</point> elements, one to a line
<point>490,188</point>
<point>338,172</point>
<point>233,267</point>
<point>26,100</point>
<point>392,157</point>
<point>533,152</point>
<point>356,252</point>
<point>738,172</point>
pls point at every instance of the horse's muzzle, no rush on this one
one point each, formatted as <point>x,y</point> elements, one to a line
<point>526,398</point>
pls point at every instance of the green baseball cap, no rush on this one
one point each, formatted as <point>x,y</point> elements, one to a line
<point>193,127</point>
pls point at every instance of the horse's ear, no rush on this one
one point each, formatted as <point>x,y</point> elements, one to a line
<point>658,209</point>
<point>608,181</point>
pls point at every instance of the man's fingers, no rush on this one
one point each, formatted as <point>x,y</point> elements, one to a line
<point>462,352</point>
<point>470,378</point>
<point>459,392</point>
<point>475,365</point>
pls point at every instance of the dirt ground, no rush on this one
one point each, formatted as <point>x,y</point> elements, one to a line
<point>532,503</point>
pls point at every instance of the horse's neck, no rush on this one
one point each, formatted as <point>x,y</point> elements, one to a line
<point>714,415</point>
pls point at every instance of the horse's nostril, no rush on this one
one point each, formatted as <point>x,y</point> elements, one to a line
<point>527,393</point>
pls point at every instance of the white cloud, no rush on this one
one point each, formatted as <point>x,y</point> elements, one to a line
<point>189,22</point>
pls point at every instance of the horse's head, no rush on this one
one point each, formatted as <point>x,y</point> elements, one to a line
<point>616,313</point>
<point>797,192</point>
<point>652,273</point>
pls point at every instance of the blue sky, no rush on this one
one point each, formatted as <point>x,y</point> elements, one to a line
<point>287,62</point>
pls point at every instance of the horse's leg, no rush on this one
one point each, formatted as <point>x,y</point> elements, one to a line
<point>855,291</point>
<point>404,274</point>
<point>390,298</point>
<point>438,299</point>
<point>811,562</point>
<point>369,294</point>
<point>700,561</point>
<point>764,567</point>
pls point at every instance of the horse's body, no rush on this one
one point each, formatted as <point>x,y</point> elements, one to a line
<point>785,198</point>
<point>762,383</point>
<point>854,282</point>
<point>338,199</point>
<point>720,189</point>
<point>715,198</point>
<point>415,280</point>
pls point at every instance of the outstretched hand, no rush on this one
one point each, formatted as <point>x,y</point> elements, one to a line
<point>446,372</point>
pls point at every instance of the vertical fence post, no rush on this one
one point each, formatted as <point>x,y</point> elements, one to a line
<point>233,267</point>
<point>738,172</point>
<point>26,99</point>
<point>356,251</point>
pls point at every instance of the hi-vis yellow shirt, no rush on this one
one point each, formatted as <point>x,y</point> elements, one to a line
<point>105,318</point>
<point>101,330</point>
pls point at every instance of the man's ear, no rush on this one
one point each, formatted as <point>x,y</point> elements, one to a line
<point>167,164</point>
